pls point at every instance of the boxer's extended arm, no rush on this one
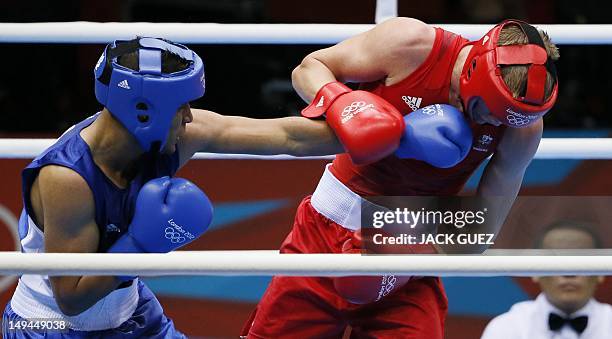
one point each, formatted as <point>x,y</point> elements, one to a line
<point>212,132</point>
<point>368,126</point>
<point>502,178</point>
<point>390,50</point>
<point>70,227</point>
<point>503,175</point>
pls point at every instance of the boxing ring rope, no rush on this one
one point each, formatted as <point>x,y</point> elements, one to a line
<point>550,148</point>
<point>212,33</point>
<point>258,263</point>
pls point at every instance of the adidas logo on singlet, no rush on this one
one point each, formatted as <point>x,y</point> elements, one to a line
<point>413,102</point>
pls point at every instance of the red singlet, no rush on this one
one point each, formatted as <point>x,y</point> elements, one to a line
<point>428,84</point>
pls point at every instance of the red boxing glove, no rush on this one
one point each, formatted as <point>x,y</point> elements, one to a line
<point>368,126</point>
<point>367,289</point>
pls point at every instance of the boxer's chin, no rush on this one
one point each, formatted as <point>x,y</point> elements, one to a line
<point>169,148</point>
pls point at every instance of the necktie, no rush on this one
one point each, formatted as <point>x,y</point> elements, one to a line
<point>579,324</point>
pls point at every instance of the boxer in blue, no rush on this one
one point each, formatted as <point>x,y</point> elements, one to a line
<point>107,185</point>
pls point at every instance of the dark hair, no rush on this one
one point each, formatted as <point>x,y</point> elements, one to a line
<point>170,62</point>
<point>582,226</point>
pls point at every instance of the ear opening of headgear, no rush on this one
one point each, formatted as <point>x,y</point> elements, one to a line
<point>145,100</point>
<point>482,76</point>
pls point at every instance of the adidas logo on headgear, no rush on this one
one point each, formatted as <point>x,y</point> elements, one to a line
<point>321,102</point>
<point>124,84</point>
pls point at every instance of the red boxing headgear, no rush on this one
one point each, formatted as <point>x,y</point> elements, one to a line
<point>482,76</point>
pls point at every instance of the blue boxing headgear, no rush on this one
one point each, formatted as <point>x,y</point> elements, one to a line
<point>146,100</point>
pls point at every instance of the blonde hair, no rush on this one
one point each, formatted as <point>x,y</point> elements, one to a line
<point>515,76</point>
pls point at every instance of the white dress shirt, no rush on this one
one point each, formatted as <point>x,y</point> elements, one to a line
<point>529,320</point>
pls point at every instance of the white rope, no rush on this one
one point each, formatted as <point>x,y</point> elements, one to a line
<point>550,148</point>
<point>211,33</point>
<point>575,148</point>
<point>548,251</point>
<point>238,263</point>
<point>385,9</point>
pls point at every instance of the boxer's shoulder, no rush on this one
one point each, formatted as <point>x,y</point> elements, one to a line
<point>409,33</point>
<point>408,42</point>
<point>64,196</point>
<point>57,178</point>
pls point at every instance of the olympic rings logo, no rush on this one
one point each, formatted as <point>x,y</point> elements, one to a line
<point>174,236</point>
<point>516,120</point>
<point>387,285</point>
<point>429,110</point>
<point>353,107</point>
<point>432,110</point>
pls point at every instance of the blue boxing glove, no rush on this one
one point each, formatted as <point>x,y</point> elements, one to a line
<point>169,213</point>
<point>437,134</point>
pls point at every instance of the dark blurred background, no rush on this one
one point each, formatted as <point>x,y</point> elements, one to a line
<point>45,88</point>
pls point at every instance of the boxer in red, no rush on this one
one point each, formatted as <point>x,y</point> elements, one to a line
<point>501,84</point>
